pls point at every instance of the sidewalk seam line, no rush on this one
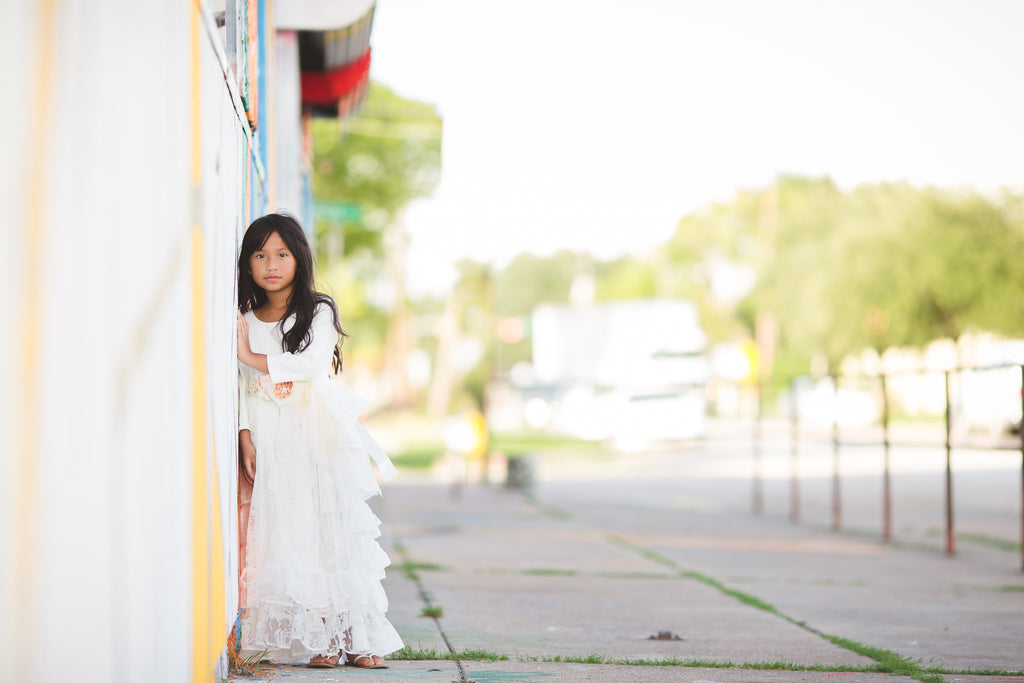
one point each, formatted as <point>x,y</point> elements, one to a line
<point>753,601</point>
<point>415,578</point>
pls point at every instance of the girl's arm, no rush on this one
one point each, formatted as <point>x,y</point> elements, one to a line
<point>246,451</point>
<point>309,364</point>
<point>257,361</point>
<point>243,408</point>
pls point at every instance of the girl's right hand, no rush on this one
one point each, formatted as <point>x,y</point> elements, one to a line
<point>247,454</point>
<point>249,463</point>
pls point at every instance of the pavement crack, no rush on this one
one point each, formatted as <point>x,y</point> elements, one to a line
<point>432,610</point>
<point>886,661</point>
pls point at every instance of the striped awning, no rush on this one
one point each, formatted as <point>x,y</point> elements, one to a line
<point>334,51</point>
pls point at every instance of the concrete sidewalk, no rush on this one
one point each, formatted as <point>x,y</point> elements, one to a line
<point>569,585</point>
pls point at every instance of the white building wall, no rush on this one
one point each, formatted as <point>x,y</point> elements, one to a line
<point>117,430</point>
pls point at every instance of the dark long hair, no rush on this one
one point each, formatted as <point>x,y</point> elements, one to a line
<point>304,300</point>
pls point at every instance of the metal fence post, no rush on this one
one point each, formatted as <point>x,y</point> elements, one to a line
<point>757,501</point>
<point>1020,428</point>
<point>950,545</point>
<point>886,479</point>
<point>837,510</point>
<point>794,427</point>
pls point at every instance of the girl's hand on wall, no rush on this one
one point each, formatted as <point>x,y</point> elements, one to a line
<point>243,337</point>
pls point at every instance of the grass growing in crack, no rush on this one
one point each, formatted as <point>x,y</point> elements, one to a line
<point>886,661</point>
<point>577,659</point>
<point>634,575</point>
<point>409,654</point>
<point>649,554</point>
<point>989,541</point>
<point>978,539</point>
<point>547,509</point>
<point>745,598</point>
<point>550,572</point>
<point>411,569</point>
<point>432,611</point>
<point>693,663</point>
<point>1010,589</point>
<point>975,672</point>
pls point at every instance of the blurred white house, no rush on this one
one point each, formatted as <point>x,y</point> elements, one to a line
<point>633,372</point>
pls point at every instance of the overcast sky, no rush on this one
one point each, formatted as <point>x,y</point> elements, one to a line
<point>596,125</point>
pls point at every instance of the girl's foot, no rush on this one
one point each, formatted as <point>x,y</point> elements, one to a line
<point>323,662</point>
<point>366,661</point>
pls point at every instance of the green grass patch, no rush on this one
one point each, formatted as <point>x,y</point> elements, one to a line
<point>989,541</point>
<point>432,611</point>
<point>513,444</point>
<point>1010,589</point>
<point>418,454</point>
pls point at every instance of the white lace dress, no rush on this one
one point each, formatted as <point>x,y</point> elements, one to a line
<point>311,564</point>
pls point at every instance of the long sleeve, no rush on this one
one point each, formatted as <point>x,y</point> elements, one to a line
<point>243,411</point>
<point>314,361</point>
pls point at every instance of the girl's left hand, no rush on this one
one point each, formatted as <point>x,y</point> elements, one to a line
<point>243,337</point>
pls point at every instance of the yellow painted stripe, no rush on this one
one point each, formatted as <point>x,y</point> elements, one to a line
<point>202,662</point>
<point>28,451</point>
<point>209,585</point>
<point>204,633</point>
<point>218,579</point>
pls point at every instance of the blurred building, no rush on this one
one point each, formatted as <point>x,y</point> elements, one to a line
<point>142,138</point>
<point>633,372</point>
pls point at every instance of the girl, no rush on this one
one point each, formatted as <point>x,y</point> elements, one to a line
<point>310,587</point>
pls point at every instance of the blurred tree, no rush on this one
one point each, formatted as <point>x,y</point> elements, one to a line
<point>376,161</point>
<point>709,248</point>
<point>529,280</point>
<point>626,278</point>
<point>369,167</point>
<point>887,265</point>
<point>469,312</point>
<point>943,263</point>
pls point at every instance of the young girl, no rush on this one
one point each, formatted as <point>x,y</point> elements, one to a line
<point>311,566</point>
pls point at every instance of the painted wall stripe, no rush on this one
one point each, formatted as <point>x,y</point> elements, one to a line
<point>209,629</point>
<point>28,450</point>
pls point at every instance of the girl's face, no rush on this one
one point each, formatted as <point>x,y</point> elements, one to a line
<point>272,266</point>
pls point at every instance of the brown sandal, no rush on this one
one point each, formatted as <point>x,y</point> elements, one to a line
<point>323,662</point>
<point>375,662</point>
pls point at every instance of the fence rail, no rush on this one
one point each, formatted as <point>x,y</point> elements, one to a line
<point>883,384</point>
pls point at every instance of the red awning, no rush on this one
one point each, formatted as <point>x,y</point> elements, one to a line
<point>335,65</point>
<point>327,88</point>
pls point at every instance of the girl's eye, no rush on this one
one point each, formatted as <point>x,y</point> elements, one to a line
<point>259,256</point>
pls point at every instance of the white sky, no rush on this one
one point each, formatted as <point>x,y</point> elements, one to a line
<point>596,125</point>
